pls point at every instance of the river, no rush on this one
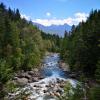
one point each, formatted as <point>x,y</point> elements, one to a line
<point>54,80</point>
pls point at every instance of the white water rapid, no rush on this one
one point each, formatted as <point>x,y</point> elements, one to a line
<point>51,86</point>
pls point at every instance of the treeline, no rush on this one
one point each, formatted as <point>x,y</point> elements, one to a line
<point>21,44</point>
<point>51,41</point>
<point>81,50</point>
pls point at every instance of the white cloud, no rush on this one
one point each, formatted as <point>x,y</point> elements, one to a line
<point>25,16</point>
<point>78,17</point>
<point>48,22</point>
<point>81,16</point>
<point>48,14</point>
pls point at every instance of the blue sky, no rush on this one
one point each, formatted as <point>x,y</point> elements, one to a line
<point>56,12</point>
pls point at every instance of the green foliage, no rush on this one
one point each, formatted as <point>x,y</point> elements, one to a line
<point>94,93</point>
<point>10,87</point>
<point>5,71</point>
<point>72,93</point>
<point>67,92</point>
<point>21,45</point>
<point>52,42</point>
<point>81,48</point>
<point>78,93</point>
<point>97,72</point>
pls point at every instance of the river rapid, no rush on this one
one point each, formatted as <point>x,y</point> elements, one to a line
<point>51,86</point>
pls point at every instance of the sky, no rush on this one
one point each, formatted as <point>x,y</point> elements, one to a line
<point>57,12</point>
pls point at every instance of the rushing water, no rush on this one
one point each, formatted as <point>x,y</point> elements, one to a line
<point>44,88</point>
<point>51,67</point>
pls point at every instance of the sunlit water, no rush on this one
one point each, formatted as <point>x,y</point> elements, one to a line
<point>52,73</point>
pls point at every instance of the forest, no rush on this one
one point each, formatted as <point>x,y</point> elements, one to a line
<point>81,50</point>
<point>23,45</point>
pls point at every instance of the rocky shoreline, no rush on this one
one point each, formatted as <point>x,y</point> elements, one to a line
<point>22,78</point>
<point>45,89</point>
<point>38,86</point>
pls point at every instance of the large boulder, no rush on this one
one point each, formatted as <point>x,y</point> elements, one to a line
<point>31,72</point>
<point>35,69</point>
<point>35,79</point>
<point>28,76</point>
<point>20,75</point>
<point>22,81</point>
<point>64,66</point>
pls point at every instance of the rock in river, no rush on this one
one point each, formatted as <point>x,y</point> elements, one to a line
<point>22,81</point>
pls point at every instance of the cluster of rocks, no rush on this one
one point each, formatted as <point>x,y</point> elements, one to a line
<point>22,78</point>
<point>45,89</point>
<point>51,89</point>
<point>55,89</point>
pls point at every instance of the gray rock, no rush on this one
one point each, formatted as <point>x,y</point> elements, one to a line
<point>59,90</point>
<point>28,76</point>
<point>22,81</point>
<point>15,78</point>
<point>62,85</point>
<point>31,72</point>
<point>35,69</point>
<point>41,77</point>
<point>35,79</point>
<point>21,75</point>
<point>57,94</point>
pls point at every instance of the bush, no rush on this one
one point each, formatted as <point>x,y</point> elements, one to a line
<point>5,71</point>
<point>5,75</point>
<point>95,93</point>
<point>97,72</point>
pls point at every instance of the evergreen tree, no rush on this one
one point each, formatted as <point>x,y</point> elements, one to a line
<point>17,15</point>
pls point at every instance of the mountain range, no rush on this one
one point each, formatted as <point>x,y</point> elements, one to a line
<point>54,29</point>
